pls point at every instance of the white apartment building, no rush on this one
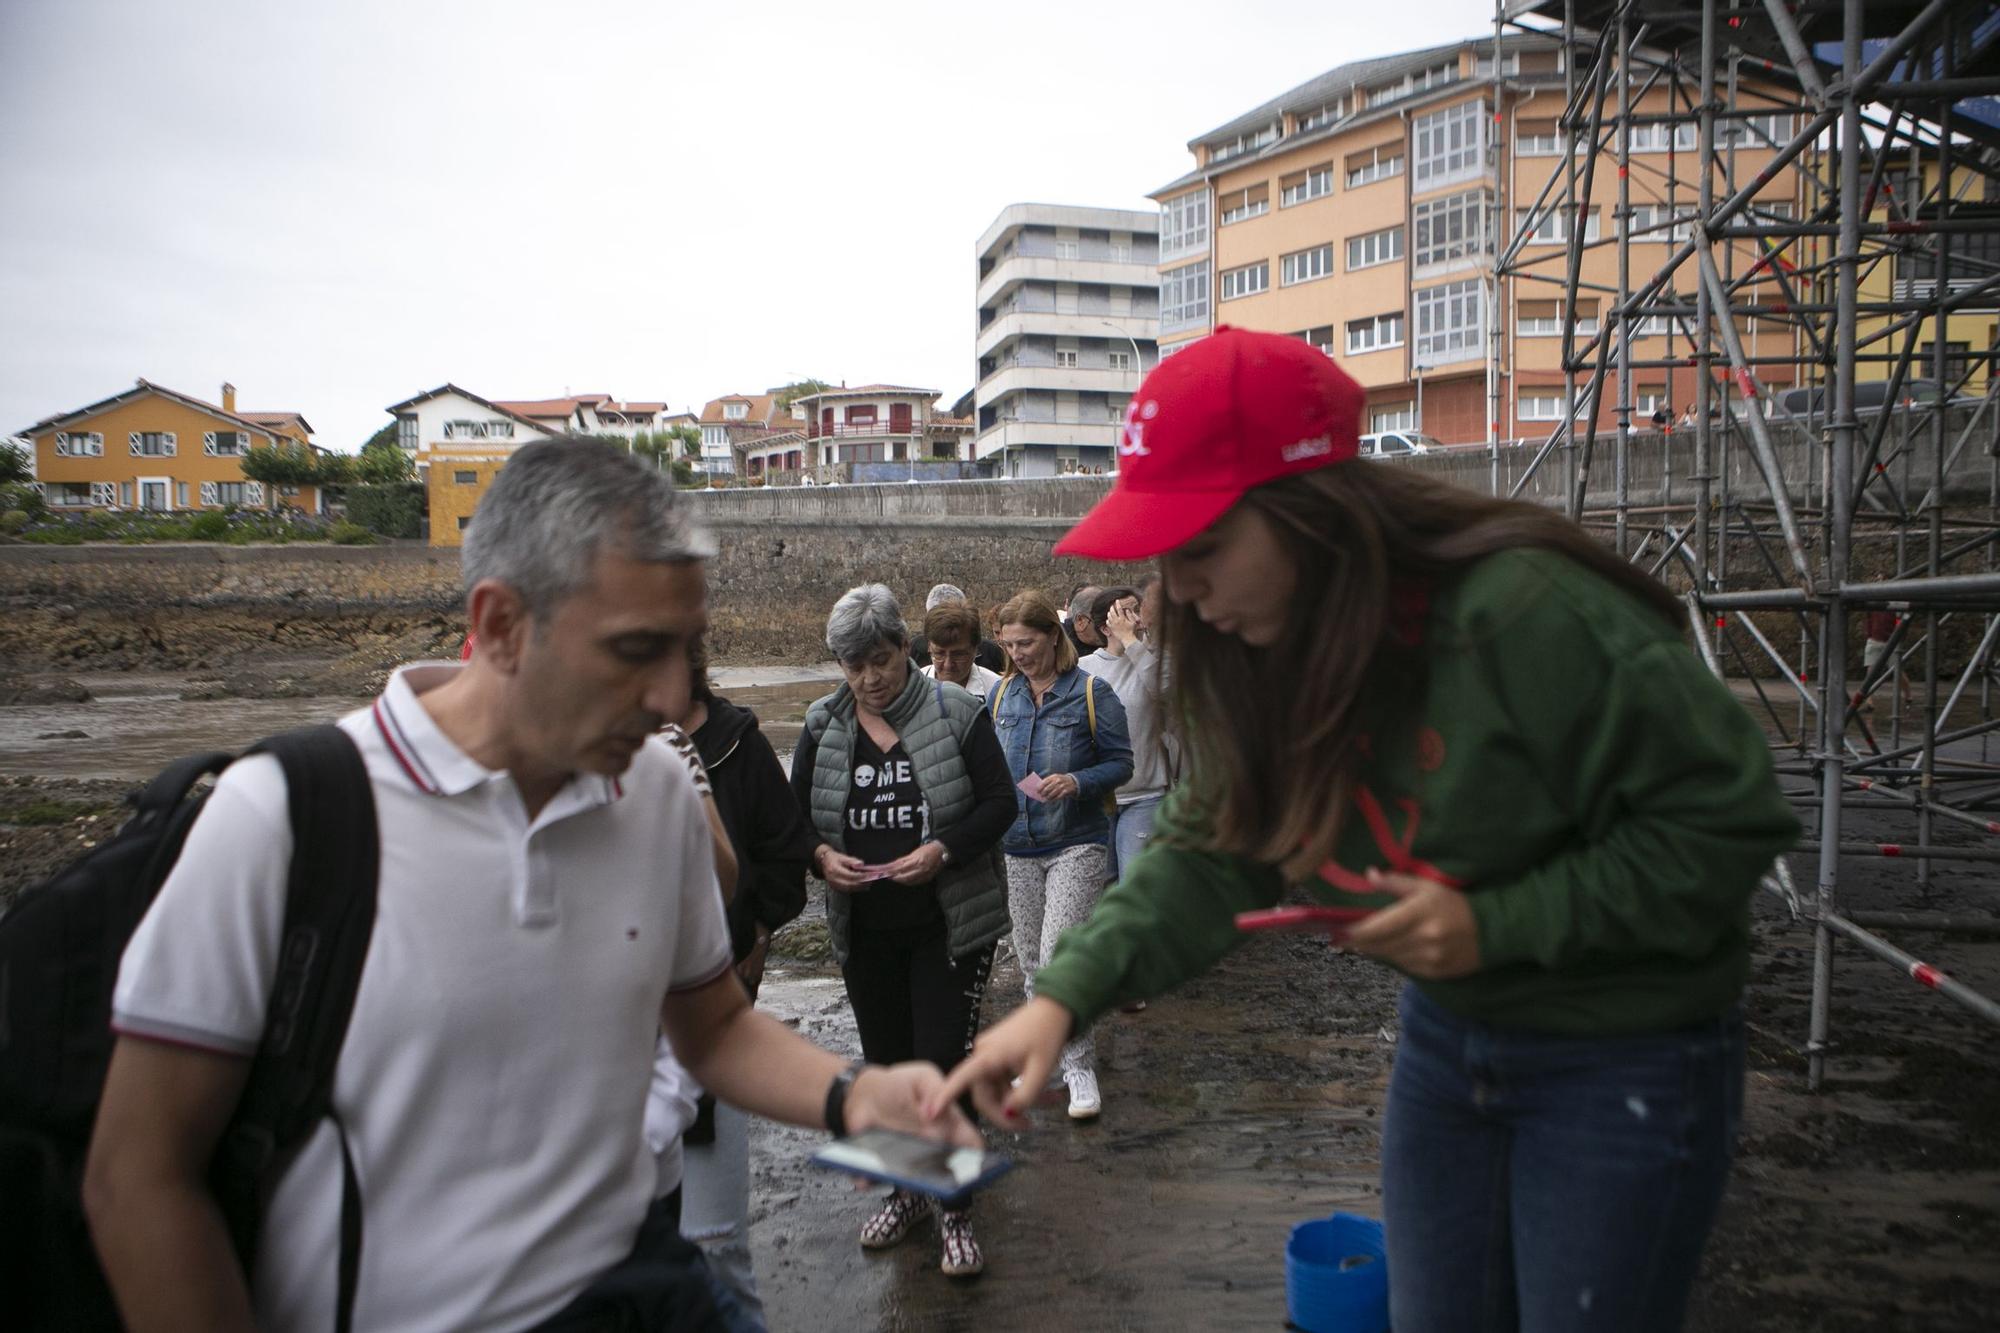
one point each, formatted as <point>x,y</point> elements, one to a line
<point>1068,322</point>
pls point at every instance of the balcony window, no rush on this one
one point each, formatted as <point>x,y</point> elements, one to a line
<point>1451,228</point>
<point>1451,322</point>
<point>1184,297</point>
<point>1065,359</point>
<point>1184,224</point>
<point>1450,145</point>
<point>1305,186</point>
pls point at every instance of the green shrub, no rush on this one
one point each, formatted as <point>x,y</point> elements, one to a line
<point>62,534</point>
<point>394,510</point>
<point>24,496</point>
<point>350,534</point>
<point>208,526</point>
<point>13,522</point>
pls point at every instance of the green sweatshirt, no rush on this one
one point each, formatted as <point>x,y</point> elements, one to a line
<point>1605,802</point>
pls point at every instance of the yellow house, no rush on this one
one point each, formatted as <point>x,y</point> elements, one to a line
<point>153,448</point>
<point>1972,330</point>
<point>457,475</point>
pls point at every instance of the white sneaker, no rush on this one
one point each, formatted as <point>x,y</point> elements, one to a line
<point>1084,1103</point>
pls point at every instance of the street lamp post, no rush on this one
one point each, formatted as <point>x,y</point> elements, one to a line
<point>1138,377</point>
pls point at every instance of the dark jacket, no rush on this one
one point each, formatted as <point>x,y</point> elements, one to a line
<point>988,654</point>
<point>766,829</point>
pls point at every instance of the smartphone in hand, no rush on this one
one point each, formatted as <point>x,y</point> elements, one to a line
<point>923,1166</point>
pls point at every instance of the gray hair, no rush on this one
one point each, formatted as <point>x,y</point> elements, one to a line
<point>864,618</point>
<point>561,503</point>
<point>1079,605</point>
<point>942,593</point>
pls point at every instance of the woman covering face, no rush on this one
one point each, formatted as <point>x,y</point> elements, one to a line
<point>1464,718</point>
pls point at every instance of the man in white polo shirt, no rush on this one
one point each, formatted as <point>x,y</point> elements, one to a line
<point>547,899</point>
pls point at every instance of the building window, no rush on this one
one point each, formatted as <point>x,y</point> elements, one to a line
<point>735,411</point>
<point>1656,138</point>
<point>1374,164</point>
<point>229,492</point>
<point>1321,338</point>
<point>1451,228</point>
<point>1539,138</point>
<point>1377,247</point>
<point>1434,77</point>
<point>1759,131</point>
<point>1305,186</point>
<point>1545,405</point>
<point>1184,297</point>
<point>66,494</point>
<point>152,444</point>
<point>1250,202</point>
<point>230,443</point>
<point>125,494</point>
<point>79,444</point>
<point>1065,360</point>
<point>1510,65</point>
<point>1121,252</point>
<point>1375,333</point>
<point>464,522</point>
<point>406,434</point>
<point>1450,145</point>
<point>1248,142</point>
<point>1184,224</point>
<point>1322,116</point>
<point>1451,322</point>
<point>1247,280</point>
<point>1069,250</point>
<point>1392,416</point>
<point>1305,265</point>
<point>1120,360</point>
<point>1656,222</point>
<point>1552,227</point>
<point>1648,401</point>
<point>1544,319</point>
<point>465,477</point>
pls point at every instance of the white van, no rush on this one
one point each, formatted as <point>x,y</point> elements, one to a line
<point>1398,444</point>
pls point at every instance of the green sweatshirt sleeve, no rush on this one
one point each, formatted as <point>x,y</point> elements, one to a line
<point>1169,918</point>
<point>1671,788</point>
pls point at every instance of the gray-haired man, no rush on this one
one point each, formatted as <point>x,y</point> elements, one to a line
<point>547,900</point>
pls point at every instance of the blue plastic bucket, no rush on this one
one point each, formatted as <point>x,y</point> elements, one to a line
<point>1337,1275</point>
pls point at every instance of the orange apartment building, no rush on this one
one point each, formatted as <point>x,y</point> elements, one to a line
<point>1365,210</point>
<point>151,447</point>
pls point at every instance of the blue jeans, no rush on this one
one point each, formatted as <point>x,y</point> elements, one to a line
<point>715,1207</point>
<point>1131,829</point>
<point>1551,1183</point>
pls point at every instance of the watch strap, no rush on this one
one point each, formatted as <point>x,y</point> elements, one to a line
<point>836,1098</point>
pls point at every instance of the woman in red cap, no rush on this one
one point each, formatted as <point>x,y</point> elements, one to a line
<point>1467,717</point>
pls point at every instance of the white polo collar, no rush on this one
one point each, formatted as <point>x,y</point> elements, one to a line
<point>435,764</point>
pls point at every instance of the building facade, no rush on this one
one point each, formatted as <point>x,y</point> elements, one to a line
<point>151,447</point>
<point>1407,215</point>
<point>874,432</point>
<point>733,423</point>
<point>1067,326</point>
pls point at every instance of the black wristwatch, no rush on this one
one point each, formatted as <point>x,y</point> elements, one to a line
<point>836,1098</point>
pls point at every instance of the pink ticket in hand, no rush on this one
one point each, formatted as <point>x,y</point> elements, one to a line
<point>874,872</point>
<point>1032,784</point>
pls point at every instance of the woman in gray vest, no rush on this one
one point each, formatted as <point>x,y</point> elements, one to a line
<point>908,793</point>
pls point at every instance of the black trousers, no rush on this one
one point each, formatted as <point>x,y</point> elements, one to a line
<point>912,1000</point>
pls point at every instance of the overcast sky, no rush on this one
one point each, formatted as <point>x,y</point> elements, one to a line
<point>338,205</point>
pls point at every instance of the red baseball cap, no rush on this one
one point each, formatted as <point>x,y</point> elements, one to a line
<point>1233,411</point>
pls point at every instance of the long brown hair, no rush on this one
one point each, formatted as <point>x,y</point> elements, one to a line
<point>1272,734</point>
<point>1037,612</point>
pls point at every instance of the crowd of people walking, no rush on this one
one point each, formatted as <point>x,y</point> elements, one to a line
<point>1456,717</point>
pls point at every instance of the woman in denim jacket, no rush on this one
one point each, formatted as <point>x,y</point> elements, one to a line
<point>1067,745</point>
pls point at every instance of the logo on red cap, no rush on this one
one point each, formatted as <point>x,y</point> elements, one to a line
<point>1133,442</point>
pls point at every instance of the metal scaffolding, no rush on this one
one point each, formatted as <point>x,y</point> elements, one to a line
<point>1873,483</point>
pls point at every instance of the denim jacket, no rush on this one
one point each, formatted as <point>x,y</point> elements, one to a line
<point>1055,738</point>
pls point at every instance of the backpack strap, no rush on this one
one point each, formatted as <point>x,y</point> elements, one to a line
<point>1090,703</point>
<point>329,916</point>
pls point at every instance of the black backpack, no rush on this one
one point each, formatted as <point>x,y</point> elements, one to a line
<point>59,952</point>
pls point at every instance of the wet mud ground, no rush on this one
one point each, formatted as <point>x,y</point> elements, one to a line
<point>1251,1100</point>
